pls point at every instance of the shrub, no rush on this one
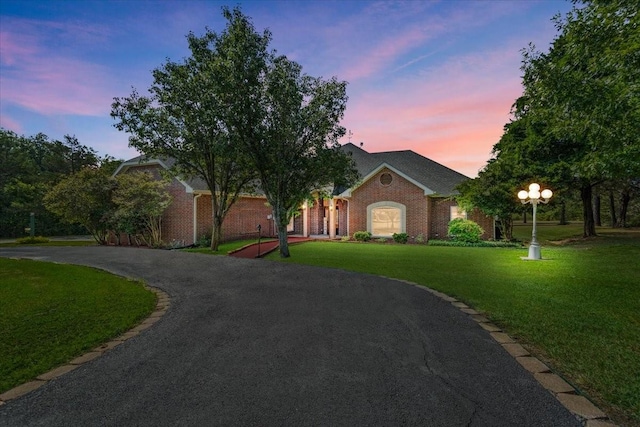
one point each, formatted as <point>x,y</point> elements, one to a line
<point>204,241</point>
<point>362,236</point>
<point>464,230</point>
<point>345,238</point>
<point>381,240</point>
<point>480,244</point>
<point>400,237</point>
<point>420,239</point>
<point>32,240</point>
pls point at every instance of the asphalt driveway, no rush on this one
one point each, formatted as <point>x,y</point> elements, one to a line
<point>255,342</point>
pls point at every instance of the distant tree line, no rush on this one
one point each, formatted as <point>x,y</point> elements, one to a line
<point>29,167</point>
<point>576,127</point>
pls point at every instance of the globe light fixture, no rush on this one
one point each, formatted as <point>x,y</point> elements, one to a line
<point>534,196</point>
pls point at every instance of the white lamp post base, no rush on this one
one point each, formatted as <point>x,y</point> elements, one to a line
<point>534,252</point>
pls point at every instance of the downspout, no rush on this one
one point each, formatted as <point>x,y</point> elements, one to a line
<point>195,217</point>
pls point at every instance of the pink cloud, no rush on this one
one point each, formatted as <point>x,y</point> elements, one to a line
<point>453,113</point>
<point>47,80</point>
<point>7,122</point>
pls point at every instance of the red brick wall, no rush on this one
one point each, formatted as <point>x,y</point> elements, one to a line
<point>441,215</point>
<point>177,220</point>
<point>400,191</point>
<point>342,223</point>
<point>241,220</point>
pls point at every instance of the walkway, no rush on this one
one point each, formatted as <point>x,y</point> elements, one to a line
<point>258,251</point>
<point>271,343</point>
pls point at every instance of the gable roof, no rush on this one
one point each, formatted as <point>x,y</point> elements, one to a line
<point>191,185</point>
<point>431,176</point>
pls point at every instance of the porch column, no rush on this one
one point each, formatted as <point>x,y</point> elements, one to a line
<point>332,219</point>
<point>305,219</point>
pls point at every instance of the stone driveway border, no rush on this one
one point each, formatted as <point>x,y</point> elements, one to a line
<point>162,303</point>
<point>590,415</point>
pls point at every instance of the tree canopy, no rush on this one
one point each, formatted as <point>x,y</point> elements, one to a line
<point>235,114</point>
<point>194,108</point>
<point>29,166</point>
<point>576,124</point>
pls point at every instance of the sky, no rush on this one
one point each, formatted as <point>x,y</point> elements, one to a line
<point>435,77</point>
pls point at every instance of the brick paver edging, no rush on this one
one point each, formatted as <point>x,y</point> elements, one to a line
<point>582,408</point>
<point>162,305</point>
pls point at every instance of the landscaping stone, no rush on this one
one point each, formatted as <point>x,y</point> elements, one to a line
<point>580,405</point>
<point>21,390</point>
<point>515,350</point>
<point>600,423</point>
<point>553,383</point>
<point>55,373</point>
<point>489,327</point>
<point>87,357</point>
<point>501,337</point>
<point>532,364</point>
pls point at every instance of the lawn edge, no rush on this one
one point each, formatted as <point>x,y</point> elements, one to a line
<point>162,305</point>
<point>570,397</point>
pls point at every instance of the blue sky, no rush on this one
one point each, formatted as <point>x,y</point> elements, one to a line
<point>436,77</point>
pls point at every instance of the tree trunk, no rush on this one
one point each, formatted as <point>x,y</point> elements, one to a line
<point>506,227</point>
<point>216,233</point>
<point>587,210</point>
<point>612,208</point>
<point>280,220</point>
<point>624,206</point>
<point>596,210</point>
<point>563,213</point>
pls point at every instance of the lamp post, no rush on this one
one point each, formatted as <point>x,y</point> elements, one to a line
<point>534,196</point>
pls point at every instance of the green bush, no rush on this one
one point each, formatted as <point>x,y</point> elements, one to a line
<point>345,238</point>
<point>381,240</point>
<point>400,237</point>
<point>32,240</point>
<point>204,241</point>
<point>420,239</point>
<point>362,236</point>
<point>464,230</point>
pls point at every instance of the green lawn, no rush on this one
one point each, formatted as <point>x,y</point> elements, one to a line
<point>579,309</point>
<point>51,313</point>
<point>227,247</point>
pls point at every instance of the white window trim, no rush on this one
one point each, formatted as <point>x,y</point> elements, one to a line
<point>403,215</point>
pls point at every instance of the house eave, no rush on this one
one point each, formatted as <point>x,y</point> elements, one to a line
<point>128,165</point>
<point>347,193</point>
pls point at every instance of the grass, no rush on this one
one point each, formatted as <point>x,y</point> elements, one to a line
<point>51,313</point>
<point>227,247</point>
<point>578,310</point>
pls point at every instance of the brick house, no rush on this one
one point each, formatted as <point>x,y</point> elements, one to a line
<point>399,192</point>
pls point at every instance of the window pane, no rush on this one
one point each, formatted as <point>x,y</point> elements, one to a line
<point>456,212</point>
<point>385,221</point>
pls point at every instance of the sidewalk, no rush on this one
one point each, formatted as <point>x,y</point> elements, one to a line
<point>256,250</point>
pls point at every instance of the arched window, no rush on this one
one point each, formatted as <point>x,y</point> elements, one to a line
<point>386,218</point>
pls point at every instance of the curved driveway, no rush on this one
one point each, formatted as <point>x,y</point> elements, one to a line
<point>256,342</point>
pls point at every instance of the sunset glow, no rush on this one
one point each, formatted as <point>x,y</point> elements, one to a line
<point>438,78</point>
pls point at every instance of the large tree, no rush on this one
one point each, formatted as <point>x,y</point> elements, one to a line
<point>586,93</point>
<point>200,111</point>
<point>140,200</point>
<point>236,114</point>
<point>84,198</point>
<point>295,150</point>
